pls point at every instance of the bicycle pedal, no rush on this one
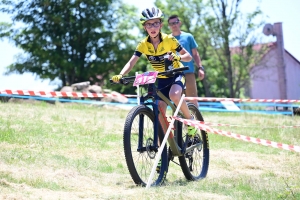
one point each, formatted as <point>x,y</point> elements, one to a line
<point>190,142</point>
<point>196,140</point>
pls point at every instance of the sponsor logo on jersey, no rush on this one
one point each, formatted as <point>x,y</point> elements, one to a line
<point>161,49</point>
<point>151,58</point>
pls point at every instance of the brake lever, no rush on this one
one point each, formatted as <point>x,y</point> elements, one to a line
<point>124,81</point>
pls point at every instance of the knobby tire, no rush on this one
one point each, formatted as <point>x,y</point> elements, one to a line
<point>200,156</point>
<point>140,162</point>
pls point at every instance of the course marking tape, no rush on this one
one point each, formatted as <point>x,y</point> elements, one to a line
<point>57,94</point>
<point>241,100</point>
<point>238,136</point>
<point>231,125</point>
<point>91,95</point>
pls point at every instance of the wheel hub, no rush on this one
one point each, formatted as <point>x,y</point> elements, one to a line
<point>150,148</point>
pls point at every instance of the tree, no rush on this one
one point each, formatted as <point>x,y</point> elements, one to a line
<point>72,40</point>
<point>4,29</point>
<point>219,26</point>
<point>229,28</point>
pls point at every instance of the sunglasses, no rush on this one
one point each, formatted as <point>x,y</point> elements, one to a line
<point>173,23</point>
<point>155,25</point>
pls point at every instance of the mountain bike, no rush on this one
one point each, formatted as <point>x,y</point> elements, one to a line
<point>143,133</point>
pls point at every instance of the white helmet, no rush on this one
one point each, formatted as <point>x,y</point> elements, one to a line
<point>151,13</point>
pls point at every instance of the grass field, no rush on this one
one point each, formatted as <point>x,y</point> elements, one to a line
<point>73,151</point>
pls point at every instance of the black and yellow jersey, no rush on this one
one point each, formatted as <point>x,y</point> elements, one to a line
<point>156,57</point>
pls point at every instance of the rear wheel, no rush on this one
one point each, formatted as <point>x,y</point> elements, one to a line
<point>194,164</point>
<point>140,150</point>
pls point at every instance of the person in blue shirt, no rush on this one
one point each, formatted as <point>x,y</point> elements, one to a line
<point>188,42</point>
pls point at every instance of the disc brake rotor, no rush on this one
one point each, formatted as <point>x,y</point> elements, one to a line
<point>149,144</point>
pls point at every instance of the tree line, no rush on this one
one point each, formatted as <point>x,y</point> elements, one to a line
<point>91,40</point>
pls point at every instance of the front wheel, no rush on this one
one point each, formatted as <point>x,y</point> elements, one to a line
<point>194,164</point>
<point>140,148</point>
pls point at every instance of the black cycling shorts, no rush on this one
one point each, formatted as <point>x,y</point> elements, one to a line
<point>164,84</point>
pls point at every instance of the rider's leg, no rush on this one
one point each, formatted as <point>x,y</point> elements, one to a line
<point>162,106</point>
<point>175,96</point>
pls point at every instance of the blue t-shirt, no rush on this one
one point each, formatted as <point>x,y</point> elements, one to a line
<point>188,42</point>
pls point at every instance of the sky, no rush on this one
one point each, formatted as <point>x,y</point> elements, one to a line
<point>285,11</point>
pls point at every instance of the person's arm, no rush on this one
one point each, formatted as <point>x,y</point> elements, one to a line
<point>198,63</point>
<point>185,55</point>
<point>126,69</point>
<point>129,65</point>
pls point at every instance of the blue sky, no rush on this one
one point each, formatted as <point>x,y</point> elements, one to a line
<point>285,11</point>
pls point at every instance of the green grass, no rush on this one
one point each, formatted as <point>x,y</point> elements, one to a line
<point>74,151</point>
<point>33,181</point>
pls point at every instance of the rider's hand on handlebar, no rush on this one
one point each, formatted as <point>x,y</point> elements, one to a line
<point>116,78</point>
<point>173,56</point>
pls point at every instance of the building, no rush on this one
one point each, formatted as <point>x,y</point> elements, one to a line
<point>277,74</point>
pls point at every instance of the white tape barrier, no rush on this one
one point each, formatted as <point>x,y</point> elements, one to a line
<point>162,145</point>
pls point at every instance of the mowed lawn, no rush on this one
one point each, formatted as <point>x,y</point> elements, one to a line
<point>75,151</point>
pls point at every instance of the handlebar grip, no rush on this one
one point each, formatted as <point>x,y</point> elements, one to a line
<point>124,81</point>
<point>112,82</point>
<point>180,69</point>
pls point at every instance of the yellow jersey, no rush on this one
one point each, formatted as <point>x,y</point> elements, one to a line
<point>156,57</point>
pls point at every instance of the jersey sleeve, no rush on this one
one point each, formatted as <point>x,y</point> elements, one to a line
<point>139,50</point>
<point>137,53</point>
<point>175,44</point>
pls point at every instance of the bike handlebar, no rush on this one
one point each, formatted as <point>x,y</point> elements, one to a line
<point>126,80</point>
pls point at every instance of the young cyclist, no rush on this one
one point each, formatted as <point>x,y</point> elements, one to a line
<point>155,46</point>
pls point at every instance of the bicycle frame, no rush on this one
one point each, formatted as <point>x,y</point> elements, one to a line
<point>173,140</point>
<point>144,140</point>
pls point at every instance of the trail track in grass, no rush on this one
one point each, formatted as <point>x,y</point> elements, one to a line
<point>74,151</point>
